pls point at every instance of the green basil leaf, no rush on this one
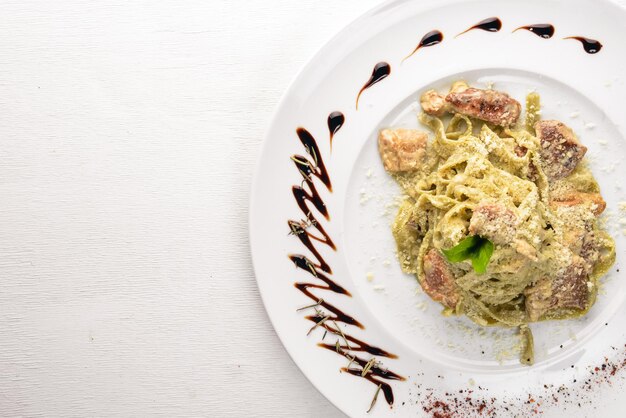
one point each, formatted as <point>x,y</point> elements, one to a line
<point>482,255</point>
<point>463,250</point>
<point>474,248</point>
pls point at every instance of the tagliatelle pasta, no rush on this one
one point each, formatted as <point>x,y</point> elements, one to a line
<point>505,185</point>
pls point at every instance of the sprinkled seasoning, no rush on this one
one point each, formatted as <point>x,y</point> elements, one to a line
<point>476,402</point>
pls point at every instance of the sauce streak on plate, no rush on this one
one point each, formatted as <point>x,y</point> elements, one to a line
<point>381,71</point>
<point>542,30</point>
<point>491,24</point>
<point>591,46</point>
<point>433,37</point>
<point>312,167</point>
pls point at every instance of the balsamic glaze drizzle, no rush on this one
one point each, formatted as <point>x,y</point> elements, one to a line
<point>335,122</point>
<point>380,71</point>
<point>385,387</point>
<point>542,30</point>
<point>431,38</point>
<point>307,197</point>
<point>591,46</point>
<point>491,24</point>
<point>375,371</point>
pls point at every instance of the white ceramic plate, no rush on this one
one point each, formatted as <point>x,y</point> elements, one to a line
<point>448,366</point>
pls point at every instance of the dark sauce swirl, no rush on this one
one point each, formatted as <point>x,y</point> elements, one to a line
<point>491,24</point>
<point>380,71</point>
<point>374,373</point>
<point>542,30</point>
<point>335,122</point>
<point>433,37</point>
<point>591,46</point>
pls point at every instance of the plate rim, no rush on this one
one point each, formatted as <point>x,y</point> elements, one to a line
<point>278,108</point>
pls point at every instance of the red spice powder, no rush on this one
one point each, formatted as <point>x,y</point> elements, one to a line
<point>464,403</point>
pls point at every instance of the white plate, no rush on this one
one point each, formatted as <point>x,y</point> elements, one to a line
<point>449,365</point>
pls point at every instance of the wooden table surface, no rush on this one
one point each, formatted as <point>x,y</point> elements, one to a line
<point>130,131</point>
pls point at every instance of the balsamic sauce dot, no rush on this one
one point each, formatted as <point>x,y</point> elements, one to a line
<point>380,71</point>
<point>591,46</point>
<point>491,24</point>
<point>543,30</point>
<point>335,122</point>
<point>433,37</point>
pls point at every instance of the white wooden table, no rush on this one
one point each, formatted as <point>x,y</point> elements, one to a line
<point>129,133</point>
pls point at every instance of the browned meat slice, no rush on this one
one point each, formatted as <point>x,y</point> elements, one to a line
<point>402,149</point>
<point>593,200</point>
<point>538,299</point>
<point>583,242</point>
<point>589,250</point>
<point>560,149</point>
<point>578,210</point>
<point>570,288</point>
<point>489,105</point>
<point>567,290</point>
<point>494,222</point>
<point>438,281</point>
<point>433,103</point>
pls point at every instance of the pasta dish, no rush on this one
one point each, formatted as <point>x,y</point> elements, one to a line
<point>500,220</point>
